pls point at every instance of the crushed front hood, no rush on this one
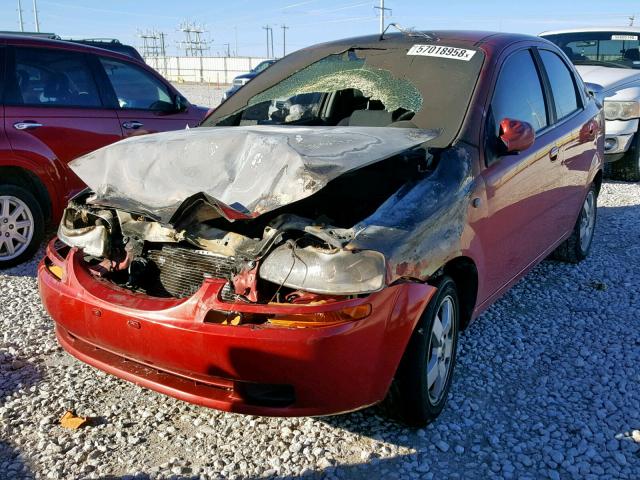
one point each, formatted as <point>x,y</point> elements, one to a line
<point>242,171</point>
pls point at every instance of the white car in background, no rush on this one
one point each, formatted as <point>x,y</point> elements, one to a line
<point>609,59</point>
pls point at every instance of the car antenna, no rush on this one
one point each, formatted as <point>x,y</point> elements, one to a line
<point>410,32</point>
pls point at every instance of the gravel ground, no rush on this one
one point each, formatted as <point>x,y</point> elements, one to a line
<point>203,94</point>
<point>547,386</point>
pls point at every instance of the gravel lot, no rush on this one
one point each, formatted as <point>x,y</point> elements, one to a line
<point>547,386</point>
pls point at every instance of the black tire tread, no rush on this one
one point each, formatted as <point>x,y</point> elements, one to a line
<point>403,403</point>
<point>569,251</point>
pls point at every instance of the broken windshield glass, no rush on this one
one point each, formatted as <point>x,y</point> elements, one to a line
<point>347,71</point>
<point>358,84</point>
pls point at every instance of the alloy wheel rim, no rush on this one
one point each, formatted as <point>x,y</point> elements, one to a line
<point>16,227</point>
<point>587,220</point>
<point>440,350</point>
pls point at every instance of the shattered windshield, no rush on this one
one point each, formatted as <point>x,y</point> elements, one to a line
<point>363,86</point>
<point>607,49</point>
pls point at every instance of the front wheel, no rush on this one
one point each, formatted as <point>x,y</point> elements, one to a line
<point>21,225</point>
<point>420,388</point>
<point>577,247</point>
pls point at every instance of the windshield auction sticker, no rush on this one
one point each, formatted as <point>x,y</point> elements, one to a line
<point>624,37</point>
<point>442,51</point>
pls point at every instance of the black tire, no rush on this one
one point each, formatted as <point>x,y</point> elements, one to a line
<point>628,167</point>
<point>26,251</point>
<point>409,398</point>
<point>576,248</point>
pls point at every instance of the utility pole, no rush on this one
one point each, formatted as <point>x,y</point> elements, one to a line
<point>20,16</point>
<point>35,16</point>
<point>267,28</point>
<point>273,54</point>
<point>632,18</point>
<point>235,29</point>
<point>284,40</point>
<point>382,10</point>
<point>228,45</point>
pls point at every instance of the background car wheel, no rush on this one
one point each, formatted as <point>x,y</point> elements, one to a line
<point>21,225</point>
<point>576,248</point>
<point>628,167</point>
<point>419,390</point>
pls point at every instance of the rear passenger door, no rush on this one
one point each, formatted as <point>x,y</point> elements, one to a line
<point>578,141</point>
<point>54,111</point>
<point>144,103</point>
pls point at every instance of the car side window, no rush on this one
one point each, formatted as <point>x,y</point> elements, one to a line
<point>518,93</point>
<point>135,88</point>
<point>48,77</point>
<point>563,87</point>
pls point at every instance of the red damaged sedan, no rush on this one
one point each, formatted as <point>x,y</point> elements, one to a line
<point>319,242</point>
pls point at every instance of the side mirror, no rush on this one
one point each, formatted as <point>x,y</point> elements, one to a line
<point>516,136</point>
<point>595,91</point>
<point>180,103</point>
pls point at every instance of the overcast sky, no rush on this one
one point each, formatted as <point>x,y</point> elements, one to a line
<point>309,21</point>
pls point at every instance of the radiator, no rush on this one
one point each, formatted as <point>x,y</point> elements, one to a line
<point>180,271</point>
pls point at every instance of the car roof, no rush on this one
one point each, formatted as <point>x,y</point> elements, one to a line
<point>460,37</point>
<point>43,41</point>
<point>593,29</point>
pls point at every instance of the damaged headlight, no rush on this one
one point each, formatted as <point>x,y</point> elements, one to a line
<point>329,272</point>
<point>89,231</point>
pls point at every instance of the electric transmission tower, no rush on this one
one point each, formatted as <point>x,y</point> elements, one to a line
<point>194,44</point>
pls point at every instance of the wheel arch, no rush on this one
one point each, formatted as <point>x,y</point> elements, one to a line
<point>597,181</point>
<point>27,179</point>
<point>464,272</point>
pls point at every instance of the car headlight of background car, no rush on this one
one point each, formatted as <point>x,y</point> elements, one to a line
<point>320,271</point>
<point>614,110</point>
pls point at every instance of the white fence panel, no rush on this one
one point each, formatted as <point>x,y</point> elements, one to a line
<point>217,70</point>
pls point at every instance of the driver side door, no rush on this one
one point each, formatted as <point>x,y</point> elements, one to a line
<point>520,226</point>
<point>143,101</point>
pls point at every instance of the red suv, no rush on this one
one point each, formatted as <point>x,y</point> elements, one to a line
<point>60,100</point>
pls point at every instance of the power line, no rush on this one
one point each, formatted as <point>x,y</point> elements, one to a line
<point>382,10</point>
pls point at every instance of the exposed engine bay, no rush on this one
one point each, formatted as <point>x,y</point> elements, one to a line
<point>297,247</point>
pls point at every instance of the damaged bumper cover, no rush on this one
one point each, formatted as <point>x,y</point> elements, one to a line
<point>178,346</point>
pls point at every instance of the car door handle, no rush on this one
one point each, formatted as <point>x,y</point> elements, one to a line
<point>553,153</point>
<point>27,125</point>
<point>132,125</point>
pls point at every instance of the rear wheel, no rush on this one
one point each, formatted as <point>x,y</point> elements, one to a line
<point>420,388</point>
<point>628,167</point>
<point>577,247</point>
<point>21,225</point>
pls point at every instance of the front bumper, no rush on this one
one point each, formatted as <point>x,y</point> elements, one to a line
<point>166,345</point>
<point>618,137</point>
